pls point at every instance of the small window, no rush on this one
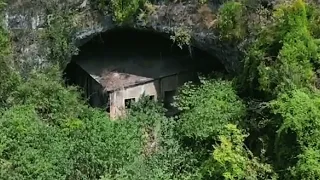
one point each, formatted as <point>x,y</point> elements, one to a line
<point>168,98</point>
<point>151,97</point>
<point>108,107</point>
<point>128,102</point>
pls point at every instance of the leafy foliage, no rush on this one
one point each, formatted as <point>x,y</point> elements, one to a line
<point>281,58</point>
<point>208,108</point>
<point>299,131</point>
<point>9,78</point>
<point>50,134</point>
<point>181,37</point>
<point>29,148</point>
<point>58,39</point>
<point>231,20</point>
<point>163,156</point>
<point>53,102</point>
<point>231,160</point>
<point>313,14</point>
<point>124,10</point>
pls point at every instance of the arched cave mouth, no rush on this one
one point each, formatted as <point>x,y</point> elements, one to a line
<point>129,41</point>
<point>117,65</point>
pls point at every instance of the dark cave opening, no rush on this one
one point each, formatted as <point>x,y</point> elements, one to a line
<point>128,41</point>
<point>139,54</point>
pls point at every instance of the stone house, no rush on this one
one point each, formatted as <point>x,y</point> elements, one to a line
<point>113,83</point>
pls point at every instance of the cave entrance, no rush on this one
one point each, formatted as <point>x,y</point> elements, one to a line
<point>123,64</point>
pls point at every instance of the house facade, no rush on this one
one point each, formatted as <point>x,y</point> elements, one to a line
<point>113,83</point>
<point>163,88</point>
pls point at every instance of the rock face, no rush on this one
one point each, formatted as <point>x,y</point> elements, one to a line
<point>26,22</point>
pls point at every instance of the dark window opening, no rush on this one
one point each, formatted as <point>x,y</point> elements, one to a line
<point>168,98</point>
<point>151,97</point>
<point>128,102</point>
<point>108,107</point>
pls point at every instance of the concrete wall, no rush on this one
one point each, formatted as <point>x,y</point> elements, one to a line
<point>117,98</point>
<point>156,88</point>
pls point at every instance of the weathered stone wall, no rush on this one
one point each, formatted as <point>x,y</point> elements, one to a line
<point>26,20</point>
<point>156,88</point>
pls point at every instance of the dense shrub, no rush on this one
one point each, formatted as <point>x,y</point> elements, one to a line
<point>102,146</point>
<point>163,156</point>
<point>54,102</point>
<point>29,149</point>
<point>50,134</point>
<point>125,10</point>
<point>208,108</point>
<point>298,142</point>
<point>281,57</point>
<point>231,20</point>
<point>81,149</point>
<point>232,160</point>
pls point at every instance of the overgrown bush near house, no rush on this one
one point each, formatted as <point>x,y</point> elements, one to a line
<point>49,133</point>
<point>103,146</point>
<point>54,103</point>
<point>163,156</point>
<point>279,66</point>
<point>297,143</point>
<point>83,148</point>
<point>281,57</point>
<point>207,108</point>
<point>232,160</point>
<point>29,148</point>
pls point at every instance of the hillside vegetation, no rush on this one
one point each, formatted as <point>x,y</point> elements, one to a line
<point>263,123</point>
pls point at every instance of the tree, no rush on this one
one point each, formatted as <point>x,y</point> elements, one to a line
<point>281,57</point>
<point>232,160</point>
<point>207,108</point>
<point>297,140</point>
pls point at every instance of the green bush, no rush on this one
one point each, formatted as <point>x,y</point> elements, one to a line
<point>55,103</point>
<point>231,20</point>
<point>50,134</point>
<point>313,14</point>
<point>81,149</point>
<point>208,108</point>
<point>124,11</point>
<point>298,114</point>
<point>29,149</point>
<point>281,57</point>
<point>163,156</point>
<point>103,146</point>
<point>231,160</point>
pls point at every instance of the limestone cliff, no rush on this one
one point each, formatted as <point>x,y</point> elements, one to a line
<point>26,19</point>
